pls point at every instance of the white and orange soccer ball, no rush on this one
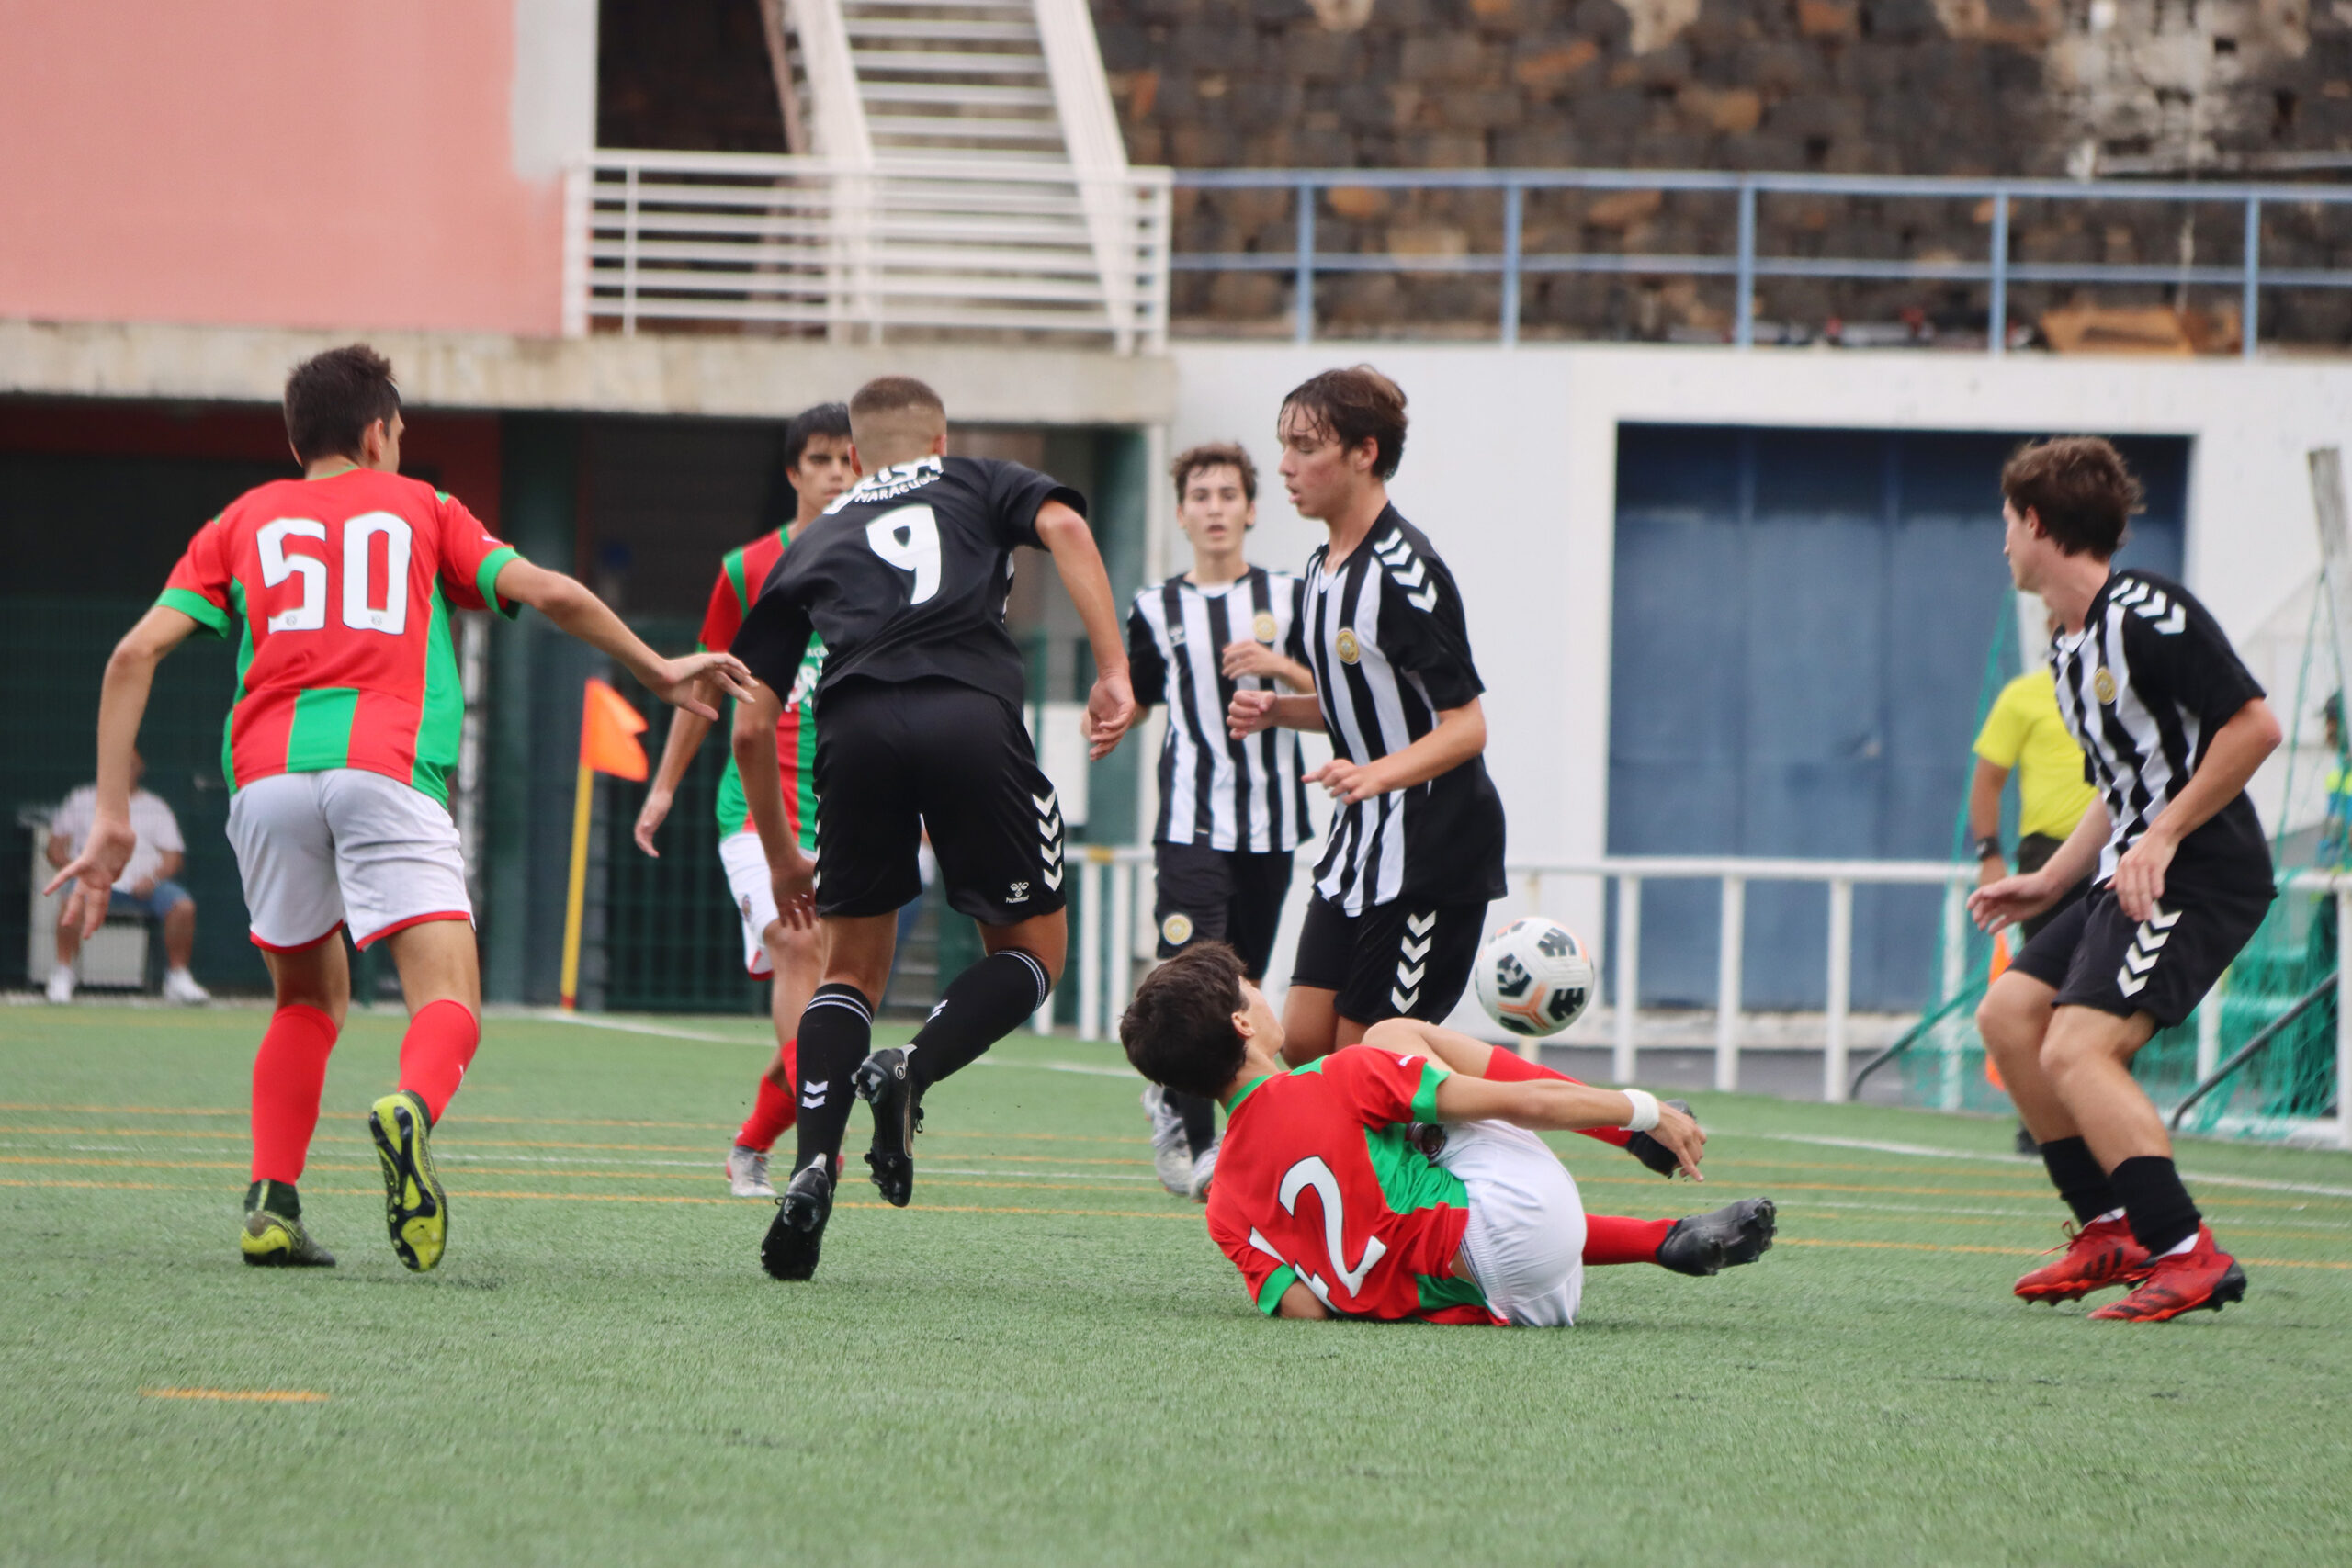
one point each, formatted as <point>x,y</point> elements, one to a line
<point>1534,976</point>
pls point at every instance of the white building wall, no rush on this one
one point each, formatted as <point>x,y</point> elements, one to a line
<point>1511,463</point>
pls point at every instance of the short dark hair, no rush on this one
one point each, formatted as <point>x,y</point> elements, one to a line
<point>2079,488</point>
<point>892,394</point>
<point>824,418</point>
<point>1179,1030</point>
<point>1353,406</point>
<point>1214,455</point>
<point>333,398</point>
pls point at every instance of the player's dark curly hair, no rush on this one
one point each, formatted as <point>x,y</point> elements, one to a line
<point>1214,455</point>
<point>823,419</point>
<point>2079,488</point>
<point>333,398</point>
<point>1353,406</point>
<point>1179,1030</point>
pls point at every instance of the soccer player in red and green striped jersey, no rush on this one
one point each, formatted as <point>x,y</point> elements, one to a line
<point>338,588</point>
<point>1399,1177</point>
<point>817,459</point>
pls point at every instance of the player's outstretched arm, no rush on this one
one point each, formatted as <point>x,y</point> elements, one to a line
<point>681,683</point>
<point>1111,707</point>
<point>2021,898</point>
<point>755,743</point>
<point>1248,658</point>
<point>123,703</point>
<point>686,731</point>
<point>1253,711</point>
<point>1459,735</point>
<point>1543,1105</point>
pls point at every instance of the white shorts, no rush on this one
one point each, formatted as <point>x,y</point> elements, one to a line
<point>754,889</point>
<point>1525,1241</point>
<point>343,847</point>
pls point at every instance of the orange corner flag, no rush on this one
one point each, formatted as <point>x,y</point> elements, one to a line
<point>608,732</point>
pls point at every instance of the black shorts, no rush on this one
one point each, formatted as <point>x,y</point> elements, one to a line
<point>893,759</point>
<point>1234,896</point>
<point>1395,960</point>
<point>2094,956</point>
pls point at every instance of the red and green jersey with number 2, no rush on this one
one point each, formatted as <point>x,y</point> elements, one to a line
<point>1317,1184</point>
<point>338,592</point>
<point>739,576</point>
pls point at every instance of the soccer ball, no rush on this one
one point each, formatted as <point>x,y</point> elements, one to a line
<point>1534,976</point>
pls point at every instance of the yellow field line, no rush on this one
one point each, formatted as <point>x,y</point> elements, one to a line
<point>458,1145</point>
<point>1032,1184</point>
<point>2284,1200</point>
<point>247,1396</point>
<point>528,1121</point>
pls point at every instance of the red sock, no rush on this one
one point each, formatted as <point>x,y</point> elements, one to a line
<point>1612,1238</point>
<point>440,1043</point>
<point>1509,1066</point>
<point>772,1112</point>
<point>289,1072</point>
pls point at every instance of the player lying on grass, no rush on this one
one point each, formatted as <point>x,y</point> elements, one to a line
<point>338,587</point>
<point>1400,1178</point>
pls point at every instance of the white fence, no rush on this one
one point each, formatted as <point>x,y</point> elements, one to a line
<point>928,244</point>
<point>1106,970</point>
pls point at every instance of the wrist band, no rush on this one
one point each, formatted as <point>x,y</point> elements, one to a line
<point>1645,1115</point>
<point>1989,848</point>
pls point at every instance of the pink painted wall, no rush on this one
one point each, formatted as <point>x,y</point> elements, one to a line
<point>274,162</point>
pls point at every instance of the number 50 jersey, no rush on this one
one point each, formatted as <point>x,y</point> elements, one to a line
<point>905,577</point>
<point>338,593</point>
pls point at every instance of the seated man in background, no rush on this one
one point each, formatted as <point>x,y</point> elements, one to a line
<point>146,887</point>
<point>1473,1221</point>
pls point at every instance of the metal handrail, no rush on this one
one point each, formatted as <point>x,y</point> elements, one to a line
<point>2246,1053</point>
<point>1744,264</point>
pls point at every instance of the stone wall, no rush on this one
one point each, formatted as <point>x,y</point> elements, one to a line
<point>2043,87</point>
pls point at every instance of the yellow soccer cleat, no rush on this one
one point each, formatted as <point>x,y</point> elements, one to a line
<point>415,1209</point>
<point>272,1236</point>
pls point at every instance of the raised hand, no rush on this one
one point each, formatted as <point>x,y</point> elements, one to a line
<point>93,873</point>
<point>1109,712</point>
<point>1250,713</point>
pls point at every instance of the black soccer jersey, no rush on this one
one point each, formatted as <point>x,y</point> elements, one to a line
<point>905,577</point>
<point>1215,791</point>
<point>2145,686</point>
<point>1390,649</point>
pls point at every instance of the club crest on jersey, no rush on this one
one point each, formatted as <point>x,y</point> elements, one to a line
<point>2103,684</point>
<point>1349,650</point>
<point>1176,929</point>
<point>1263,627</point>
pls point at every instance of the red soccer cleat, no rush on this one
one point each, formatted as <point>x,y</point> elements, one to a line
<point>2203,1276</point>
<point>2102,1253</point>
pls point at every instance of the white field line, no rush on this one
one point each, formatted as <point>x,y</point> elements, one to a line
<point>1925,1151</point>
<point>662,1031</point>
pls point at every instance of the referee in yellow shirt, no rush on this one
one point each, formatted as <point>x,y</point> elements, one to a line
<point>2024,734</point>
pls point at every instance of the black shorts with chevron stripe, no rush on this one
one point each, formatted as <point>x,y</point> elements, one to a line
<point>2096,956</point>
<point>895,760</point>
<point>1395,960</point>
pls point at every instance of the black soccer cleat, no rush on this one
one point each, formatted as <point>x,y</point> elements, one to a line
<point>1652,1153</point>
<point>883,1081</point>
<point>798,1233</point>
<point>1709,1244</point>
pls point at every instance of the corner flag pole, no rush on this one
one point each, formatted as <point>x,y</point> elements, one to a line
<point>608,744</point>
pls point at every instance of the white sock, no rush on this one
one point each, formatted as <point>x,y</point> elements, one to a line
<point>2186,1243</point>
<point>179,974</point>
<point>2111,1214</point>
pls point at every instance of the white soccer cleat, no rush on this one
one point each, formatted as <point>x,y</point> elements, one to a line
<point>747,1173</point>
<point>1203,1170</point>
<point>180,987</point>
<point>1171,1151</point>
<point>61,984</point>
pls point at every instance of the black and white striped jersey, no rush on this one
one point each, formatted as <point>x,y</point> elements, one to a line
<point>1390,649</point>
<point>1215,791</point>
<point>2145,686</point>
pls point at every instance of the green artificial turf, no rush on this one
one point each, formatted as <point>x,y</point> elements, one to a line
<point>1045,1362</point>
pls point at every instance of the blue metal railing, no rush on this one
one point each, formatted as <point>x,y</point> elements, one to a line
<point>1744,267</point>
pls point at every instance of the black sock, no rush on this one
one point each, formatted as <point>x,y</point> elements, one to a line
<point>2078,1179</point>
<point>278,1197</point>
<point>1199,1113</point>
<point>980,1007</point>
<point>836,1033</point>
<point>2163,1214</point>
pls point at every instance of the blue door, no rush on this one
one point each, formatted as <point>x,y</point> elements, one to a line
<point>1801,622</point>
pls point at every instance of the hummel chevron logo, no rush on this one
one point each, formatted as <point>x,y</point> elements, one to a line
<point>812,1093</point>
<point>1053,875</point>
<point>1050,829</point>
<point>1417,949</point>
<point>1044,803</point>
<point>1419,924</point>
<point>1394,550</point>
<point>1413,578</point>
<point>1425,601</point>
<point>1411,977</point>
<point>2147,943</point>
<point>1403,1001</point>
